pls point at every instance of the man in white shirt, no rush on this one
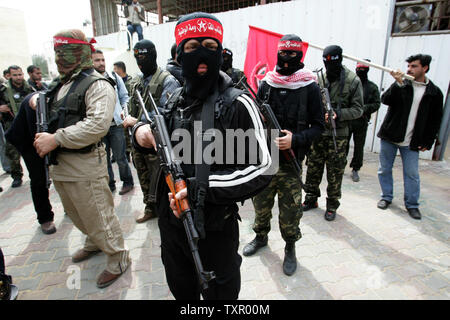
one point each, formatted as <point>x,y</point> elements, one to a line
<point>411,125</point>
<point>135,13</point>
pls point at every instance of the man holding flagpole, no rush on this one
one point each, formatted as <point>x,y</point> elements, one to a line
<point>294,96</point>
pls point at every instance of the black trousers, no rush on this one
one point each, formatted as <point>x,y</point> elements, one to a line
<point>39,191</point>
<point>357,128</point>
<point>218,252</point>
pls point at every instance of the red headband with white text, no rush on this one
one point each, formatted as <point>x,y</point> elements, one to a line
<point>200,27</point>
<point>290,45</point>
<point>59,41</point>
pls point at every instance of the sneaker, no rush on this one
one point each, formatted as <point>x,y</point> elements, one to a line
<point>309,205</point>
<point>383,204</point>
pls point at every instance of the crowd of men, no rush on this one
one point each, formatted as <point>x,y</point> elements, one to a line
<point>95,114</point>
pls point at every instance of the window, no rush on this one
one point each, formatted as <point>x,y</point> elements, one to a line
<point>421,17</point>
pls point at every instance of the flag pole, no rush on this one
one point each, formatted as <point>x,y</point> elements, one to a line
<point>365,62</point>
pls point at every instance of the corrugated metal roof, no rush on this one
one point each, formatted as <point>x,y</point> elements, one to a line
<point>175,8</point>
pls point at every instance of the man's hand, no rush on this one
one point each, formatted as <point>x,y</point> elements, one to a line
<point>179,196</point>
<point>44,143</point>
<point>144,137</point>
<point>129,121</point>
<point>285,142</point>
<point>4,108</point>
<point>398,76</point>
<point>33,101</point>
<point>326,116</point>
<point>422,149</point>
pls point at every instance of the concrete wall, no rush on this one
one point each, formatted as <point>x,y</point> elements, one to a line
<point>14,47</point>
<point>360,27</point>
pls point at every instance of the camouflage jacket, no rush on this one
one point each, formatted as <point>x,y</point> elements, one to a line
<point>350,102</point>
<point>12,97</point>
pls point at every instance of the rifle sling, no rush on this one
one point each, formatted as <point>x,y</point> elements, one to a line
<point>202,170</point>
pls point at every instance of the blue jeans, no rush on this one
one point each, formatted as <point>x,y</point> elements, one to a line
<point>3,158</point>
<point>411,179</point>
<point>132,28</point>
<point>115,140</point>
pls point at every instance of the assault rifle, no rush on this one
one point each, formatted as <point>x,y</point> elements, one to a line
<point>42,126</point>
<point>175,179</point>
<point>328,107</point>
<point>269,116</point>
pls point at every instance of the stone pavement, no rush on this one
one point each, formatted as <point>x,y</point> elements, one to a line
<point>366,253</point>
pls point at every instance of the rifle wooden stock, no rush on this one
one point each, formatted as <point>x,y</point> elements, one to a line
<point>175,180</point>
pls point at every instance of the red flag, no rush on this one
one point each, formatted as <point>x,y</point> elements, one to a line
<point>262,48</point>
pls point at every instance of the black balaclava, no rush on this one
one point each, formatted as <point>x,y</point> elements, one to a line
<point>199,86</point>
<point>227,59</point>
<point>147,64</point>
<point>332,59</point>
<point>362,71</point>
<point>294,63</point>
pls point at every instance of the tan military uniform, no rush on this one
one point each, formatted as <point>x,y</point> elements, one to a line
<point>81,179</point>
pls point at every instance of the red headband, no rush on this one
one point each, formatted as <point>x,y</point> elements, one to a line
<point>59,41</point>
<point>200,27</point>
<point>290,45</point>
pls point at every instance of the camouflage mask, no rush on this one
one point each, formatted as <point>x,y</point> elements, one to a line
<point>70,57</point>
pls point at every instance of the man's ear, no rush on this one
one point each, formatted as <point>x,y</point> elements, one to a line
<point>427,68</point>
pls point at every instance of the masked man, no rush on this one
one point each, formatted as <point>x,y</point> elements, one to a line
<point>81,106</point>
<point>295,98</point>
<point>207,100</point>
<point>346,97</point>
<point>160,84</point>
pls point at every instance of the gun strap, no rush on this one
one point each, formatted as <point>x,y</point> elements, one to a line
<point>202,170</point>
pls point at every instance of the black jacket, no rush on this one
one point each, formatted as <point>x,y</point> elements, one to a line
<point>287,105</point>
<point>229,183</point>
<point>429,115</point>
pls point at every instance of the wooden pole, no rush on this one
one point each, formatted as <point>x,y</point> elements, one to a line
<point>371,64</point>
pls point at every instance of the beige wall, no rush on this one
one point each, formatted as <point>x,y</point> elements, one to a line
<point>14,48</point>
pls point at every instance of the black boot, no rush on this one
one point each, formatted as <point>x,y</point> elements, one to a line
<point>290,261</point>
<point>309,205</point>
<point>255,245</point>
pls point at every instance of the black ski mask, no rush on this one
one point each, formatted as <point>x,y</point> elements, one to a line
<point>362,73</point>
<point>227,59</point>
<point>145,55</point>
<point>293,63</point>
<point>332,59</point>
<point>196,85</point>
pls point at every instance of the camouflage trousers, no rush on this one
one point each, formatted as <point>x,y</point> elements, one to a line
<point>323,153</point>
<point>14,158</point>
<point>142,162</point>
<point>286,185</point>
